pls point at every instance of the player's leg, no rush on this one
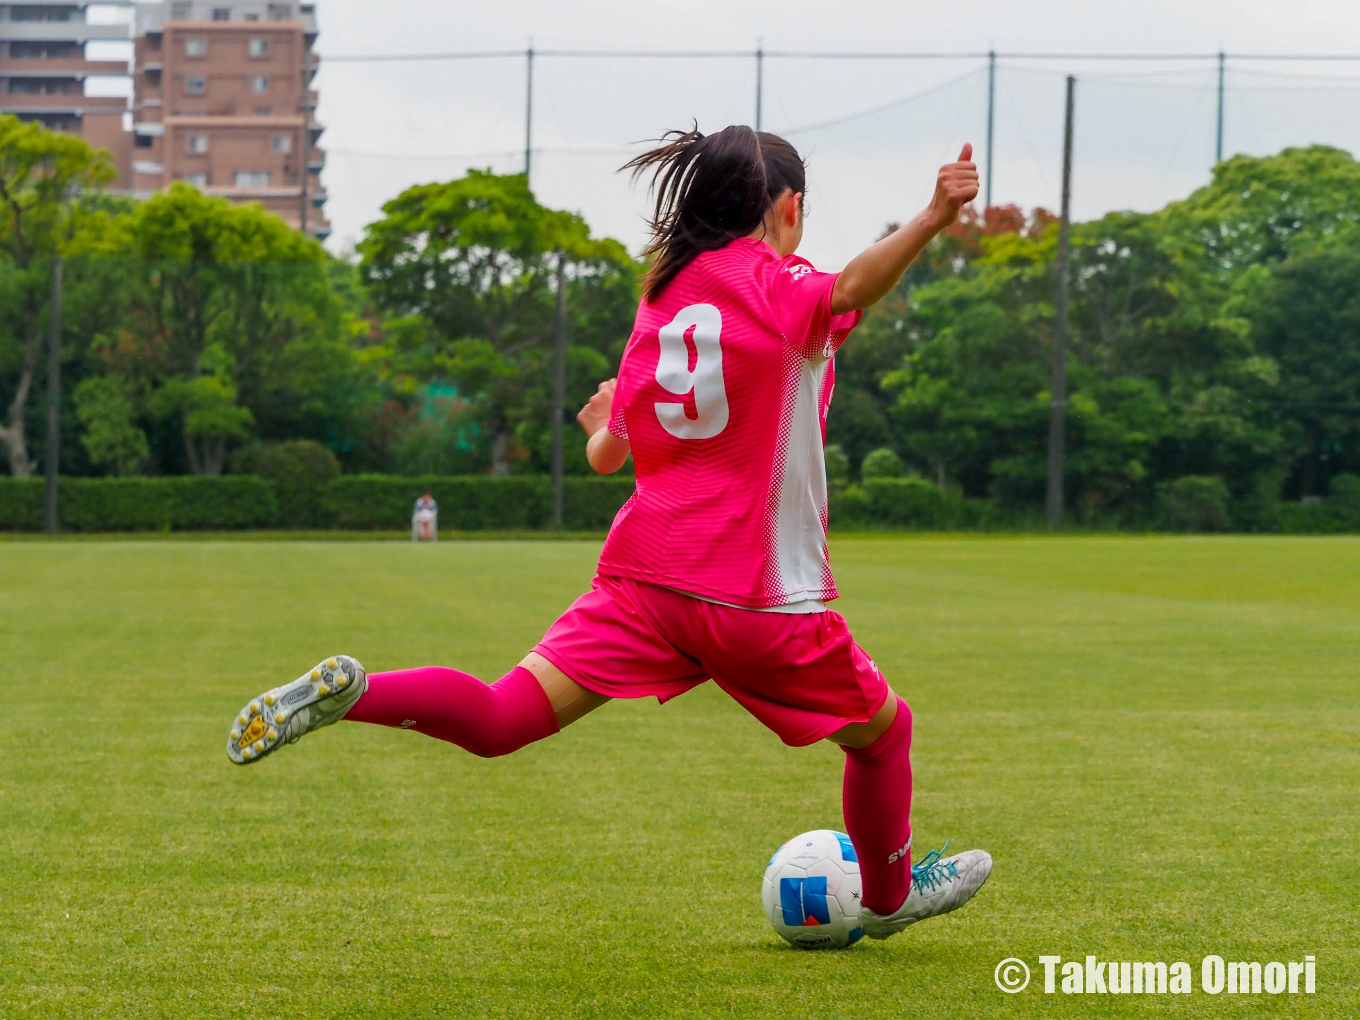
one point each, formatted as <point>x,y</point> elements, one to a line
<point>532,701</point>
<point>805,678</point>
<point>876,800</point>
<point>601,647</point>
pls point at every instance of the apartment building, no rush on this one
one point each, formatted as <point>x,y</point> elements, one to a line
<point>222,99</point>
<point>44,70</point>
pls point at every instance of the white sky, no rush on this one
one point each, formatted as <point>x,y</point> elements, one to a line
<point>1144,130</point>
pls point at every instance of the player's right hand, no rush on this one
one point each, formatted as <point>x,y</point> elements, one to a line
<point>595,415</point>
<point>955,186</point>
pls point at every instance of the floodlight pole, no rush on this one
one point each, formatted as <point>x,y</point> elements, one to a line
<point>760,80</point>
<point>1218,150</point>
<point>528,109</point>
<point>559,392</point>
<point>53,450</point>
<point>1057,403</point>
<point>991,109</point>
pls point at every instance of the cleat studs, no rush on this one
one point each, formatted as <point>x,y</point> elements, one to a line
<point>254,708</point>
<point>247,753</point>
<point>280,717</point>
<point>315,674</point>
<point>341,680</point>
<point>272,735</point>
<point>241,719</point>
<point>258,745</point>
<point>269,699</point>
<point>322,690</point>
<point>331,663</point>
<point>235,734</point>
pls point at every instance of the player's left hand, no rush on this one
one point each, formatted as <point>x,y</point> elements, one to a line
<point>955,186</point>
<point>595,415</point>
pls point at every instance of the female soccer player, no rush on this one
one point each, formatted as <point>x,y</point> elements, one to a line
<point>717,566</point>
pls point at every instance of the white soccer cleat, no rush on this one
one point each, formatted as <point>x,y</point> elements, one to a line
<point>319,697</point>
<point>938,885</point>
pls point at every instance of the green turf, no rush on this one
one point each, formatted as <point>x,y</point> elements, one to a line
<point>1156,739</point>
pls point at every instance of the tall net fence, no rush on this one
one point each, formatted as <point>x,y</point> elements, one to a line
<point>873,130</point>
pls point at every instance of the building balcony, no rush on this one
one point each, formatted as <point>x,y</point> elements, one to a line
<point>72,101</point>
<point>64,31</point>
<point>316,160</point>
<point>147,168</point>
<point>315,128</point>
<point>319,198</point>
<point>61,67</point>
<point>152,129</point>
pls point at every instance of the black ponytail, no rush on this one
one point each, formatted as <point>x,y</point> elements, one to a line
<point>711,189</point>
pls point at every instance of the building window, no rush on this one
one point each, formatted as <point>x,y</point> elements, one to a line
<point>179,12</point>
<point>142,141</point>
<point>259,48</point>
<point>199,181</point>
<point>252,15</point>
<point>263,111</point>
<point>281,143</point>
<point>280,12</point>
<point>252,178</point>
<point>259,83</point>
<point>197,145</point>
<point>195,85</point>
<point>196,48</point>
<point>221,14</point>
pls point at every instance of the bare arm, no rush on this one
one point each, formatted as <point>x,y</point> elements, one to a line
<point>875,271</point>
<point>605,451</point>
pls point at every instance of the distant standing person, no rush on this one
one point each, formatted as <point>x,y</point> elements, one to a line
<point>425,520</point>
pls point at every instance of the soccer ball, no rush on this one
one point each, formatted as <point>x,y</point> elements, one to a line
<point>811,891</point>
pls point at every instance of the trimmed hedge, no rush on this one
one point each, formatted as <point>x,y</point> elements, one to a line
<point>300,470</point>
<point>142,504</point>
<point>524,503</point>
<point>911,503</point>
<point>476,502</point>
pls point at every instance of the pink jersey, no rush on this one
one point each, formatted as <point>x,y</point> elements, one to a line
<point>722,396</point>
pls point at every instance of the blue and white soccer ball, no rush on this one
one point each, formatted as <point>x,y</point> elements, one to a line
<point>811,891</point>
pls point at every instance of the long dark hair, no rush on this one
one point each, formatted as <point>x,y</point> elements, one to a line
<point>709,190</point>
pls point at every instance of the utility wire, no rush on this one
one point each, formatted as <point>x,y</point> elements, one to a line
<point>821,55</point>
<point>883,107</point>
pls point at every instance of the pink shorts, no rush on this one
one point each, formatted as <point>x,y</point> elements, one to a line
<point>803,676</point>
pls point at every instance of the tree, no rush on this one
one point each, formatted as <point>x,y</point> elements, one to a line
<point>465,271</point>
<point>111,435</point>
<point>224,309</point>
<point>1305,317</point>
<point>40,171</point>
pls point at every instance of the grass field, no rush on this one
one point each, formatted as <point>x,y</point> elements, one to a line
<point>1156,739</point>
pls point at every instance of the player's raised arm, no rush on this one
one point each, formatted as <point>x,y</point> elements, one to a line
<point>876,270</point>
<point>605,451</point>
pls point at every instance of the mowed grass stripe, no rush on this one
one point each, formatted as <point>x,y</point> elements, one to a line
<point>1156,738</point>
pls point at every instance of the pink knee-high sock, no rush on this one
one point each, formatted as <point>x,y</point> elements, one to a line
<point>486,719</point>
<point>877,802</point>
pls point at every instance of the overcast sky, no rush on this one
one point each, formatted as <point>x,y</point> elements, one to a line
<point>1144,130</point>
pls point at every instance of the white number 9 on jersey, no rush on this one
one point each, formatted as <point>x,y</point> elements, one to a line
<point>706,380</point>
